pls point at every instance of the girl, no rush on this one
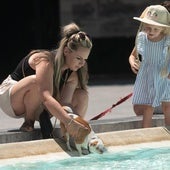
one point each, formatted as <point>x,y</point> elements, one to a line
<point>49,79</point>
<point>134,64</point>
<point>152,85</point>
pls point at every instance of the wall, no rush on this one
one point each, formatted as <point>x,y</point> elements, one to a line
<point>111,25</point>
<point>104,18</point>
<point>36,23</point>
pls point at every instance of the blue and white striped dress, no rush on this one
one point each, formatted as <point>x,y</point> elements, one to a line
<point>151,88</point>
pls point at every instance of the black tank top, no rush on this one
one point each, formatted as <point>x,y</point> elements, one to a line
<point>23,69</point>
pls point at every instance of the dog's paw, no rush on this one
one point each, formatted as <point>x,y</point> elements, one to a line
<point>85,151</point>
<point>69,148</point>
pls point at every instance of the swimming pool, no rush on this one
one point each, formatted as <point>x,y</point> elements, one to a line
<point>140,157</point>
<point>132,149</point>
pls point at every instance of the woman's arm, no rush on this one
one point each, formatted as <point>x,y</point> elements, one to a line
<point>44,78</point>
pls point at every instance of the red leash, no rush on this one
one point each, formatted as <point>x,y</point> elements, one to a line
<point>110,109</point>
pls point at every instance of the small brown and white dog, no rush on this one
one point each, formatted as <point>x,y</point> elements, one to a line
<point>92,143</point>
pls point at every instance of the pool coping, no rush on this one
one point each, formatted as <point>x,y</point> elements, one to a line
<point>110,139</point>
<point>99,126</point>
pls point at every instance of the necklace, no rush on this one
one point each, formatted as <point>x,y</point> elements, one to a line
<point>64,76</point>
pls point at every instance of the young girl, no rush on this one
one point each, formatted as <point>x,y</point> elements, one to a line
<point>152,85</point>
<point>134,64</point>
<point>49,79</point>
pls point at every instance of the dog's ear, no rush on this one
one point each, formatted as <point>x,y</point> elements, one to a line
<point>82,134</point>
<point>82,121</point>
<point>94,143</point>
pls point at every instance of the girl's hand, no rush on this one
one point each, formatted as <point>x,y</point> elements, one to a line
<point>168,76</point>
<point>134,67</point>
<point>134,63</point>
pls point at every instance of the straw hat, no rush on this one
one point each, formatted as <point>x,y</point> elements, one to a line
<point>155,15</point>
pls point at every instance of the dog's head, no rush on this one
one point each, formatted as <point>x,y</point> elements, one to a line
<point>82,133</point>
<point>96,145</point>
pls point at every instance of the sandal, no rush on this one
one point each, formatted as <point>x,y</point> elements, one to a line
<point>46,125</point>
<point>27,126</point>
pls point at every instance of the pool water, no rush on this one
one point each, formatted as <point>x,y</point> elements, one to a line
<point>138,159</point>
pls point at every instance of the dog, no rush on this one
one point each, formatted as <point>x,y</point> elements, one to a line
<point>92,143</point>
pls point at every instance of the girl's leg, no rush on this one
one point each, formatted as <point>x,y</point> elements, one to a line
<point>147,116</point>
<point>147,112</point>
<point>166,111</point>
<point>80,101</point>
<point>25,100</point>
<point>138,109</point>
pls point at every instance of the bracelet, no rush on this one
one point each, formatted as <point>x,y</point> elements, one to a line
<point>70,122</point>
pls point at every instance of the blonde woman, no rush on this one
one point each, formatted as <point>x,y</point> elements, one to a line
<point>49,79</point>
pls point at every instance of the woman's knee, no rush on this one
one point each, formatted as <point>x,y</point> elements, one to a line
<point>81,95</point>
<point>80,101</point>
<point>25,84</point>
<point>24,93</point>
<point>31,81</point>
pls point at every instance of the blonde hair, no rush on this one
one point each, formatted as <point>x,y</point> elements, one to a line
<point>73,38</point>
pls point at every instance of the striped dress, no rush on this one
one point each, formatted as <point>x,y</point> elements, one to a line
<point>151,87</point>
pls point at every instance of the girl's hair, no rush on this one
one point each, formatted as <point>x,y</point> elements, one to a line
<point>73,38</point>
<point>166,4</point>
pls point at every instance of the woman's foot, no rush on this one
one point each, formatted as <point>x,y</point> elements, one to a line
<point>27,126</point>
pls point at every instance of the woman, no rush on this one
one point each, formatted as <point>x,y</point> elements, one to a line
<point>49,79</point>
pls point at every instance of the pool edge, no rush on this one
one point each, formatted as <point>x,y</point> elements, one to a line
<point>114,138</point>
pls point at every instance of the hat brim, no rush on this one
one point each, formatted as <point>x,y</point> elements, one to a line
<point>151,22</point>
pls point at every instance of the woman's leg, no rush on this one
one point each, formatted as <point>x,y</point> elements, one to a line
<point>80,101</point>
<point>25,100</point>
<point>147,112</point>
<point>166,111</point>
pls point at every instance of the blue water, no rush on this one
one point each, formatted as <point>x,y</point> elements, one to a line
<point>141,159</point>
